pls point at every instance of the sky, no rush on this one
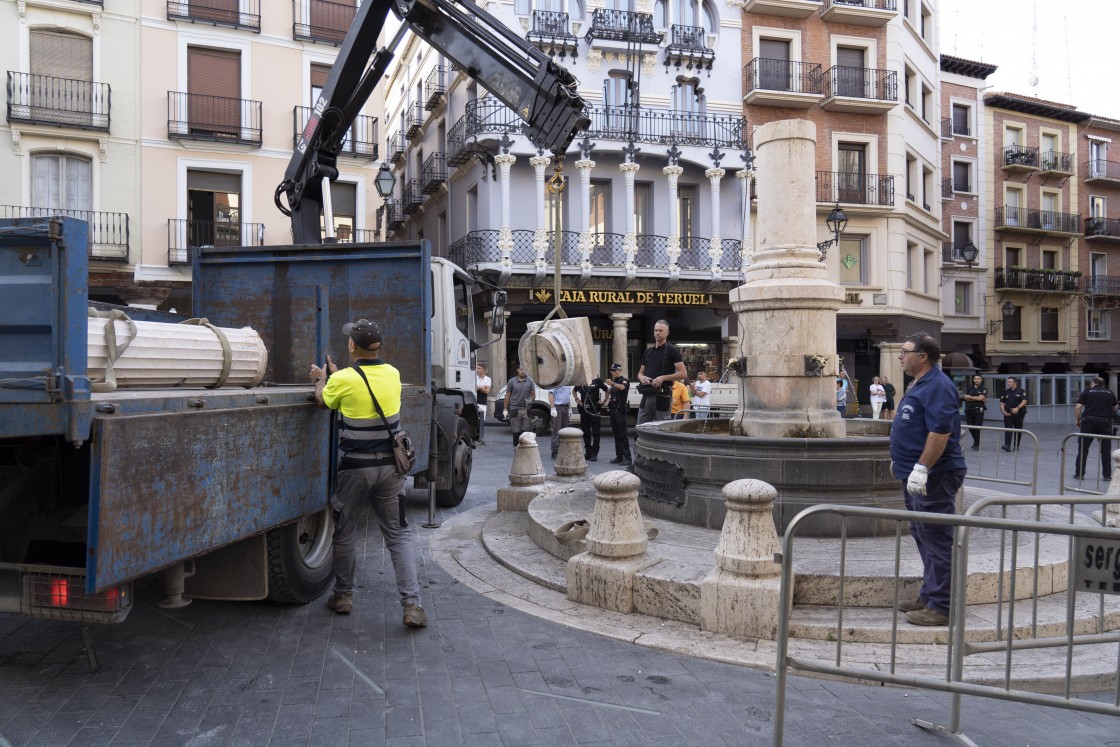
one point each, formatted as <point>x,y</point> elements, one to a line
<point>1073,64</point>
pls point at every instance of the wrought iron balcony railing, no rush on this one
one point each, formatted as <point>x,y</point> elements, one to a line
<point>951,254</point>
<point>552,33</point>
<point>946,189</point>
<point>855,189</point>
<point>947,128</point>
<point>688,46</point>
<point>42,99</point>
<point>1053,160</point>
<point>1031,219</point>
<point>1103,285</point>
<point>322,20</point>
<point>194,116</point>
<point>360,141</point>
<point>435,87</point>
<point>860,83</point>
<point>394,215</point>
<point>433,173</point>
<point>1020,155</point>
<point>764,74</point>
<point>414,120</point>
<point>394,149</point>
<point>873,4</point>
<point>108,232</point>
<point>667,127</point>
<point>1104,228</point>
<point>622,25</point>
<point>1098,168</point>
<point>412,196</point>
<point>244,14</point>
<point>185,235</point>
<point>1039,279</point>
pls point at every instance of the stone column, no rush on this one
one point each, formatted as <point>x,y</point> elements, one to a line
<point>618,341</point>
<point>526,475</point>
<point>714,176</point>
<point>630,242</point>
<point>744,178</point>
<point>540,235</point>
<point>673,173</point>
<point>505,233</point>
<point>891,367</point>
<point>787,306</point>
<point>586,244</point>
<point>499,365</point>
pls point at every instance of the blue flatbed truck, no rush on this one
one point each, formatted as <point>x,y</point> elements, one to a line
<point>230,485</point>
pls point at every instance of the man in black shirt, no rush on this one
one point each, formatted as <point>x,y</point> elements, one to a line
<point>620,387</point>
<point>661,366</point>
<point>975,403</point>
<point>1093,414</point>
<point>1013,405</point>
<point>590,401</point>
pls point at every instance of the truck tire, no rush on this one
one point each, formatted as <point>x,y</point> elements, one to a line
<point>462,459</point>
<point>541,420</point>
<point>299,559</point>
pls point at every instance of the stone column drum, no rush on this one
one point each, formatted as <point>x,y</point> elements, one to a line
<point>526,475</point>
<point>787,306</point>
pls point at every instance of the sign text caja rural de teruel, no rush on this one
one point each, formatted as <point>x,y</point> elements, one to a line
<point>658,298</point>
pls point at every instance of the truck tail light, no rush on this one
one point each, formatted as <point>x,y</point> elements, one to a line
<point>62,596</point>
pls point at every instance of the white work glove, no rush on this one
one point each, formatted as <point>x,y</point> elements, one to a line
<point>916,484</point>
<point>553,412</point>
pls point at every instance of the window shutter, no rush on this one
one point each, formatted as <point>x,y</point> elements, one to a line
<point>214,72</point>
<point>344,199</point>
<point>44,182</point>
<point>61,55</point>
<point>214,181</point>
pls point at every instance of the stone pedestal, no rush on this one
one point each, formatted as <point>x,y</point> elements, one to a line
<point>526,474</point>
<point>570,462</point>
<point>741,595</point>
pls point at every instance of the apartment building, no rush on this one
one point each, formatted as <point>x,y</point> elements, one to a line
<point>1099,174</point>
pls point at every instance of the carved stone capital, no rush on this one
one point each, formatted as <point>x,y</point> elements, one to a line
<point>672,171</point>
<point>584,165</point>
<point>594,59</point>
<point>629,167</point>
<point>505,160</point>
<point>715,174</point>
<point>539,162</point>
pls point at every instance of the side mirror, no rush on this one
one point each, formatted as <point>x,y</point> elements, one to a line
<point>498,314</point>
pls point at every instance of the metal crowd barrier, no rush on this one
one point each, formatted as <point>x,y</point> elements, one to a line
<point>1091,463</point>
<point>996,469</point>
<point>1093,556</point>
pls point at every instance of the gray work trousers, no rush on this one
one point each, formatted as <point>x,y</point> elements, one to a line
<point>378,487</point>
<point>648,410</point>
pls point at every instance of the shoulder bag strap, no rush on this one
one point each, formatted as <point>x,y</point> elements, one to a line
<point>376,404</point>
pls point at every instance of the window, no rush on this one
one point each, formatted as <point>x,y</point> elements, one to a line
<point>1098,154</point>
<point>851,162</point>
<point>1012,199</point>
<point>1096,206</point>
<point>962,234</point>
<point>61,54</point>
<point>619,96</point>
<point>908,84</point>
<point>61,182</point>
<point>642,208</point>
<point>1048,324</point>
<point>319,75</point>
<point>214,208</point>
<point>927,269</point>
<point>961,120</point>
<point>851,72</point>
<point>214,85</point>
<point>1048,217</point>
<point>962,298</point>
<point>344,202</point>
<point>1098,325</point>
<point>911,265</point>
<point>774,72</point>
<point>852,262</point>
<point>927,23</point>
<point>1013,256</point>
<point>686,206</point>
<point>684,12</point>
<point>927,186</point>
<point>521,7</point>
<point>600,207</point>
<point>927,102</point>
<point>659,19</point>
<point>1098,269</point>
<point>962,176</point>
<point>689,105</point>
<point>1049,259</point>
<point>1013,324</point>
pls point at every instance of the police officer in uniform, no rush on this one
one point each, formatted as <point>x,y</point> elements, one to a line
<point>1013,405</point>
<point>589,401</point>
<point>620,388</point>
<point>1093,413</point>
<point>975,403</point>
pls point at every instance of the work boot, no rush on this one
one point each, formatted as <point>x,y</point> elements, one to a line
<point>341,603</point>
<point>927,617</point>
<point>616,460</point>
<point>912,606</point>
<point>415,616</point>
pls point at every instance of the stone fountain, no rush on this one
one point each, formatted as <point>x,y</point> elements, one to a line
<point>786,430</point>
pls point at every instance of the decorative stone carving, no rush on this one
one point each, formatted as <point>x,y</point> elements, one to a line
<point>594,60</point>
<point>16,136</point>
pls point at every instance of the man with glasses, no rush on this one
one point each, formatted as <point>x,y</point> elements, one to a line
<point>926,457</point>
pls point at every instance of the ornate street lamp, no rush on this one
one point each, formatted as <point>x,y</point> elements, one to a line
<point>836,223</point>
<point>384,181</point>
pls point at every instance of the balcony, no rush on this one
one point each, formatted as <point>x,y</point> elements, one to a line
<point>1020,158</point>
<point>42,99</point>
<point>435,88</point>
<point>194,116</point>
<point>360,141</point>
<point>629,27</point>
<point>859,89</point>
<point>394,215</point>
<point>1101,171</point>
<point>239,14</point>
<point>688,46</point>
<point>1103,285</point>
<point>413,197</point>
<point>108,232</point>
<point>1036,279</point>
<point>946,189</point>
<point>1011,218</point>
<point>1102,229</point>
<point>1053,163</point>
<point>663,127</point>
<point>322,20</point>
<point>184,236</point>
<point>551,33</point>
<point>875,192</point>
<point>782,83</point>
<point>783,8</point>
<point>859,12</point>
<point>951,254</point>
<point>433,174</point>
<point>946,128</point>
<point>414,120</point>
<point>394,147</point>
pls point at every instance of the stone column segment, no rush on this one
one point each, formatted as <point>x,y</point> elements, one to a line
<point>618,341</point>
<point>525,476</point>
<point>570,462</point>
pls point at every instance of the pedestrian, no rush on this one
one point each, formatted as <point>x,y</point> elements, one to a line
<point>560,400</point>
<point>975,404</point>
<point>888,406</point>
<point>681,399</point>
<point>519,393</point>
<point>662,364</point>
<point>701,395</point>
<point>482,391</point>
<point>1094,413</point>
<point>878,397</point>
<point>1013,405</point>
<point>591,400</point>
<point>620,388</point>
<point>841,396</point>
<point>368,398</point>
<point>926,456</point>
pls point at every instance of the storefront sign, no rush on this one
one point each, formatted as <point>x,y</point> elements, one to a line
<point>629,298</point>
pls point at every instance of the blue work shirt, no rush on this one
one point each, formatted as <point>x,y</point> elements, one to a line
<point>562,395</point>
<point>931,405</point>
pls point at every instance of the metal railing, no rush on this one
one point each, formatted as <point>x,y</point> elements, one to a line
<point>195,116</point>
<point>433,173</point>
<point>394,147</point>
<point>688,46</point>
<point>947,128</point>
<point>764,74</point>
<point>1088,465</point>
<point>42,99</point>
<point>873,4</point>
<point>412,197</point>
<point>245,14</point>
<point>855,189</point>
<point>1102,227</point>
<point>553,29</point>
<point>1053,160</point>
<point>1098,168</point>
<point>360,140</point>
<point>946,189</point>
<point>414,120</point>
<point>186,235</point>
<point>951,253</point>
<point>1010,216</point>
<point>435,87</point>
<point>1030,278</point>
<point>1103,285</point>
<point>1020,155</point>
<point>394,214</point>
<point>860,83</point>
<point>622,25</point>
<point>322,20</point>
<point>108,232</point>
<point>666,127</point>
<point>688,37</point>
<point>1012,465</point>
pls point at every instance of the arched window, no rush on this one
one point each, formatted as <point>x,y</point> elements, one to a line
<point>659,10</point>
<point>711,20</point>
<point>61,182</point>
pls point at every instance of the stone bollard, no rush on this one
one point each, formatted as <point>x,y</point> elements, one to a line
<point>526,473</point>
<point>603,576</point>
<point>570,462</point>
<point>740,595</point>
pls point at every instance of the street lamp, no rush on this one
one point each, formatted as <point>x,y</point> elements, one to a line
<point>836,223</point>
<point>384,181</point>
<point>969,253</point>
<point>1008,310</point>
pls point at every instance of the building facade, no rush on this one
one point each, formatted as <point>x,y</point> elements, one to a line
<point>1099,260</point>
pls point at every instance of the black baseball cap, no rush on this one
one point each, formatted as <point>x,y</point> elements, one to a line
<point>616,366</point>
<point>363,332</point>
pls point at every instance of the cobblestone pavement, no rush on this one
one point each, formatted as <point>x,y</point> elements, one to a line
<point>479,674</point>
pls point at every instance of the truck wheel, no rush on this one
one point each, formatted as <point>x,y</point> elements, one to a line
<point>541,421</point>
<point>299,559</point>
<point>462,459</point>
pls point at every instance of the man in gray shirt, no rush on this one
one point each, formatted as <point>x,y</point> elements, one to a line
<point>519,393</point>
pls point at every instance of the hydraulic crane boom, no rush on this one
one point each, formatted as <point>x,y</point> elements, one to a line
<point>539,91</point>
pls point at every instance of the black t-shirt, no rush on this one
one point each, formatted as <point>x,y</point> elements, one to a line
<point>590,395</point>
<point>976,391</point>
<point>661,361</point>
<point>1097,402</point>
